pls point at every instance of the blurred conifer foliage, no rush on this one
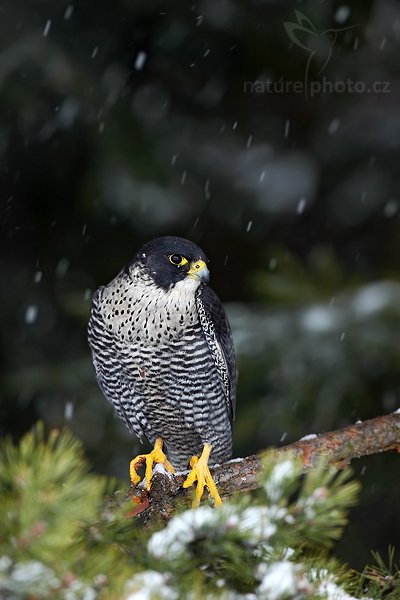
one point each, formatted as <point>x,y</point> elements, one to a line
<point>268,133</point>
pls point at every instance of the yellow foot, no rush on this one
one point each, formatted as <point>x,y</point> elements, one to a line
<point>155,456</point>
<point>201,473</point>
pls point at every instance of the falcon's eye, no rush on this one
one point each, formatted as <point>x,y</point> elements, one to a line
<point>177,259</point>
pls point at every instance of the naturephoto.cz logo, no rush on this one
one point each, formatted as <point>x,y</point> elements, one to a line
<point>319,48</point>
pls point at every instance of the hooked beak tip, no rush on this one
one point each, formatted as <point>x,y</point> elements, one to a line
<point>204,275</point>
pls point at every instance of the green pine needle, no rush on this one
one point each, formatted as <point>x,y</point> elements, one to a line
<point>52,512</point>
<point>61,540</point>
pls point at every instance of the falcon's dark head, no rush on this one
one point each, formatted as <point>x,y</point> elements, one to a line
<point>168,260</point>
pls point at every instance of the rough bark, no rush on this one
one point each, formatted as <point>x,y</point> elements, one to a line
<point>341,446</point>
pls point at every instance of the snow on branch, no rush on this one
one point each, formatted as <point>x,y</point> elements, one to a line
<point>341,446</point>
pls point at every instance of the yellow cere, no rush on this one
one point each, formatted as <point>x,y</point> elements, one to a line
<point>196,267</point>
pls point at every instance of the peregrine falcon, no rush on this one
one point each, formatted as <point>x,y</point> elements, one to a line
<point>163,355</point>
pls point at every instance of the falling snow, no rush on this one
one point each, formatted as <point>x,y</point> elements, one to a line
<point>207,189</point>
<point>47,28</point>
<point>301,206</point>
<point>68,411</point>
<point>390,209</point>
<point>140,60</point>
<point>342,14</point>
<point>31,314</point>
<point>249,226</point>
<point>333,126</point>
<point>62,267</point>
<point>273,263</point>
<point>68,12</point>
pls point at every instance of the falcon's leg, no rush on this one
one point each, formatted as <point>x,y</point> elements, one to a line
<point>201,473</point>
<point>155,456</point>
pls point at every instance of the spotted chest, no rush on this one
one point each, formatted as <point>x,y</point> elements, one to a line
<point>136,313</point>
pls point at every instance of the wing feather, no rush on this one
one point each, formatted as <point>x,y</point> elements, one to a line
<point>218,335</point>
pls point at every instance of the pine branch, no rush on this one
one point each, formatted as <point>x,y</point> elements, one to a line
<point>340,447</point>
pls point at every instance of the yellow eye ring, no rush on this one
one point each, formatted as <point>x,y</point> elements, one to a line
<point>177,260</point>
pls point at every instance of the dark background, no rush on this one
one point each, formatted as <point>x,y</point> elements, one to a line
<point>124,120</point>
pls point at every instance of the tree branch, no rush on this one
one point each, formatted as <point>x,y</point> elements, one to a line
<point>341,446</point>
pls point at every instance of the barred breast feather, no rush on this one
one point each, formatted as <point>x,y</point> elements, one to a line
<point>165,359</point>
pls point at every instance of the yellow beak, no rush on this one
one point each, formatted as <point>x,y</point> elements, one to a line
<point>199,270</point>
